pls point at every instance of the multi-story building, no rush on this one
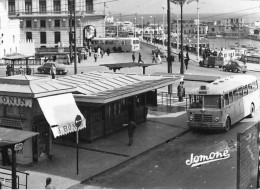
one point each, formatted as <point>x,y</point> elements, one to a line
<point>9,33</point>
<point>189,27</point>
<point>47,22</point>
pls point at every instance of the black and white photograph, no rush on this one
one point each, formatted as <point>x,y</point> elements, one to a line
<point>129,94</point>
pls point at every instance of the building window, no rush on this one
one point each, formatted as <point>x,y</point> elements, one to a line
<point>11,6</point>
<point>28,36</point>
<point>43,37</point>
<point>89,5</point>
<point>57,23</point>
<point>56,37</point>
<point>28,23</point>
<point>56,6</point>
<point>28,6</point>
<point>43,23</point>
<point>42,6</point>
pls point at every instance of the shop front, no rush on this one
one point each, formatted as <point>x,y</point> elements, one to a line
<point>39,105</point>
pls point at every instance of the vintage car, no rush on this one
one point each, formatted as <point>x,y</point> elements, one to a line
<point>46,67</point>
<point>235,66</point>
<point>212,61</point>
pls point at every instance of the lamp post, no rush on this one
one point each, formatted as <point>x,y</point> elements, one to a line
<point>154,31</point>
<point>163,7</point>
<point>142,27</point>
<point>181,3</point>
<point>169,65</point>
<point>150,30</point>
<point>198,28</point>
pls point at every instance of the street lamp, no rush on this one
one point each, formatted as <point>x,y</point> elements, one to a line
<point>163,7</point>
<point>181,3</point>
<point>142,27</point>
<point>198,28</point>
<point>150,30</point>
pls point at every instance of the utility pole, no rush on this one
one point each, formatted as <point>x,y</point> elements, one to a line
<point>169,42</point>
<point>75,39</point>
<point>154,30</point>
<point>182,65</point>
<point>70,36</point>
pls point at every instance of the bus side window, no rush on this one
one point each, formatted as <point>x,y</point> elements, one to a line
<point>240,92</point>
<point>250,88</point>
<point>254,85</point>
<point>245,90</point>
<point>226,100</point>
<point>230,95</point>
<point>235,94</point>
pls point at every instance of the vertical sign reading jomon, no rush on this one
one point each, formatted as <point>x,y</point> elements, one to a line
<point>248,158</point>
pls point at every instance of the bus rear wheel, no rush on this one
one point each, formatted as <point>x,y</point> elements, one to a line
<point>252,111</point>
<point>227,125</point>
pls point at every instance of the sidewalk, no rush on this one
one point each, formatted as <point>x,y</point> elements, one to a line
<point>250,66</point>
<point>103,154</point>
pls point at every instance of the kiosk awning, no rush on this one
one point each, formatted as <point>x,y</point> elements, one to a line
<point>13,136</point>
<point>60,111</point>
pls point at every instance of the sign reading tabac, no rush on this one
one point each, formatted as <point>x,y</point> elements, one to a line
<point>16,101</point>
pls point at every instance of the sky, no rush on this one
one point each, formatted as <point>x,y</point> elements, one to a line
<point>205,6</point>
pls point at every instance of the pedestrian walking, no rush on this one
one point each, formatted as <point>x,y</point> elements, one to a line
<point>131,126</point>
<point>187,60</point>
<point>102,52</point>
<point>140,58</point>
<point>90,50</point>
<point>68,59</point>
<point>153,60</point>
<point>180,55</point>
<point>49,184</point>
<point>8,69</point>
<point>133,57</point>
<point>21,70</point>
<point>159,59</point>
<point>95,56</point>
<point>28,70</point>
<point>181,91</point>
<point>54,58</point>
<point>53,71</point>
<point>108,51</point>
<point>98,51</point>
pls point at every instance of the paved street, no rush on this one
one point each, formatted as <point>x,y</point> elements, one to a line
<point>165,167</point>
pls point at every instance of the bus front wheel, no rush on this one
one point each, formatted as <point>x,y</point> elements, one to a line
<point>252,111</point>
<point>227,124</point>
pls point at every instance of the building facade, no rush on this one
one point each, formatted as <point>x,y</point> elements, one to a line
<point>9,33</point>
<point>47,22</point>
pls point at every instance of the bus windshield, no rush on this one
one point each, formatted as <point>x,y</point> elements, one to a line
<point>195,101</point>
<point>210,101</point>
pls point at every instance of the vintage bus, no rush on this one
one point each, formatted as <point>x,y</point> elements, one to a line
<point>223,102</point>
<point>117,44</point>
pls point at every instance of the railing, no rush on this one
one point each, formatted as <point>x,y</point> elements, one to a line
<point>23,62</point>
<point>7,177</point>
<point>165,98</point>
<point>22,71</point>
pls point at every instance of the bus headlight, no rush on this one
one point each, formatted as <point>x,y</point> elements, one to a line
<point>191,118</point>
<point>216,119</point>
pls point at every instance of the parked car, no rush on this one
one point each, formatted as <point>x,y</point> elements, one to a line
<point>159,51</point>
<point>235,66</point>
<point>212,61</point>
<point>46,67</point>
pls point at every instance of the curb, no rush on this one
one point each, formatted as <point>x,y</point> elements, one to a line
<point>134,157</point>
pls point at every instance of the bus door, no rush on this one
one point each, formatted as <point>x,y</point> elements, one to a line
<point>228,107</point>
<point>241,109</point>
<point>236,105</point>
